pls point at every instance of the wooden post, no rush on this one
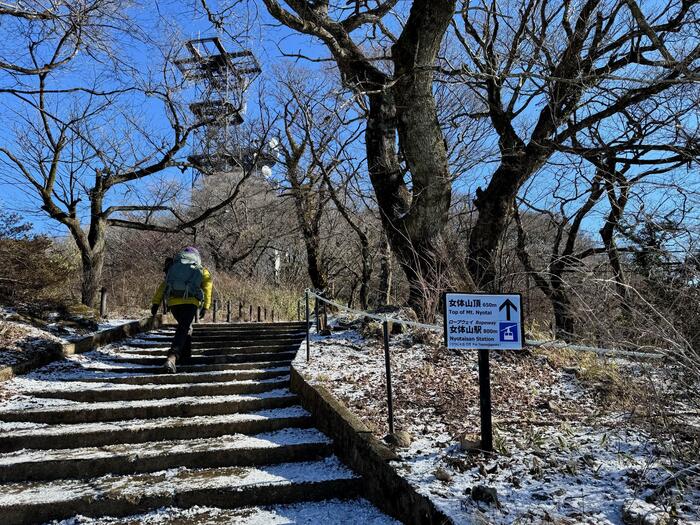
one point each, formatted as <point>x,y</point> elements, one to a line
<point>103,303</point>
<point>228,311</point>
<point>215,310</point>
<point>298,310</point>
<point>259,314</point>
<point>265,312</point>
<point>240,310</point>
<point>387,362</point>
<point>273,315</point>
<point>250,313</point>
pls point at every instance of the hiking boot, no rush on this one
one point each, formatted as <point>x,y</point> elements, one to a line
<point>170,367</point>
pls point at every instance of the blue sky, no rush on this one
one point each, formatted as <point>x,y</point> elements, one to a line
<point>173,20</point>
<point>177,20</point>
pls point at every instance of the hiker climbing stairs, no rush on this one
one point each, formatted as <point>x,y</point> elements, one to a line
<point>110,434</point>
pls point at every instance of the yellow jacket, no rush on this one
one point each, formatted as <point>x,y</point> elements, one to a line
<point>207,287</point>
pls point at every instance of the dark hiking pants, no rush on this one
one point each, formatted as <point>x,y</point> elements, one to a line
<point>182,342</point>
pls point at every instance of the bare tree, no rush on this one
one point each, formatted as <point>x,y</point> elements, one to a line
<point>55,32</point>
<point>399,104</point>
<point>302,173</point>
<point>546,71</point>
<point>574,198</point>
<point>85,154</point>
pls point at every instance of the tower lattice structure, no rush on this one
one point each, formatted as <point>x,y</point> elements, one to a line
<point>221,78</point>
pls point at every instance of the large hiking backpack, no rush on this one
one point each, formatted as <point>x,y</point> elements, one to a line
<point>184,278</point>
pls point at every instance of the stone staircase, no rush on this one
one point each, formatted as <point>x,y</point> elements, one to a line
<point>108,434</point>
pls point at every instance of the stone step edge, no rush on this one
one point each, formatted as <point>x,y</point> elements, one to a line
<point>149,460</point>
<point>224,359</point>
<point>193,378</point>
<point>147,392</point>
<point>188,369</point>
<point>96,413</point>
<point>150,430</point>
<point>223,497</point>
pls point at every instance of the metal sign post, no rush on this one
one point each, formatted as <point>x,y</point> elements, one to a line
<point>387,363</point>
<point>485,401</point>
<point>308,343</point>
<point>483,322</point>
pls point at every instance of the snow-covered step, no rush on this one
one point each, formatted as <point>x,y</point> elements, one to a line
<point>227,487</point>
<point>18,436</point>
<point>74,412</point>
<point>326,512</point>
<point>278,325</point>
<point>210,359</point>
<point>291,444</point>
<point>241,332</point>
<point>89,393</point>
<point>108,433</point>
<point>234,336</point>
<point>222,348</point>
<point>232,350</point>
<point>212,341</point>
<point>113,367</point>
<point>172,379</point>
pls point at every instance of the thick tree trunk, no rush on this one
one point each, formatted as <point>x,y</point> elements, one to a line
<point>317,273</point>
<point>412,239</point>
<point>419,245</point>
<point>495,207</point>
<point>92,265</point>
<point>607,234</point>
<point>561,304</point>
<point>92,248</point>
<point>564,327</point>
<point>413,219</point>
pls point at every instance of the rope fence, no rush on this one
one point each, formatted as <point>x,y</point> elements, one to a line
<point>554,343</point>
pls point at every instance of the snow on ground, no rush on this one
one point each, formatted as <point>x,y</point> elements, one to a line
<point>332,512</point>
<point>21,342</point>
<point>106,324</point>
<point>568,451</point>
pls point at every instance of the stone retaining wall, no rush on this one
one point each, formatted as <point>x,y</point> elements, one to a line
<point>85,344</point>
<point>356,446</point>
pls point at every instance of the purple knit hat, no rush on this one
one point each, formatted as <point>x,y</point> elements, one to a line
<point>191,249</point>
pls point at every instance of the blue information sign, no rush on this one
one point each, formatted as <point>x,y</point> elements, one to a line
<point>483,321</point>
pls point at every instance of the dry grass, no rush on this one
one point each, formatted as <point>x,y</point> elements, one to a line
<point>261,293</point>
<point>614,385</point>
